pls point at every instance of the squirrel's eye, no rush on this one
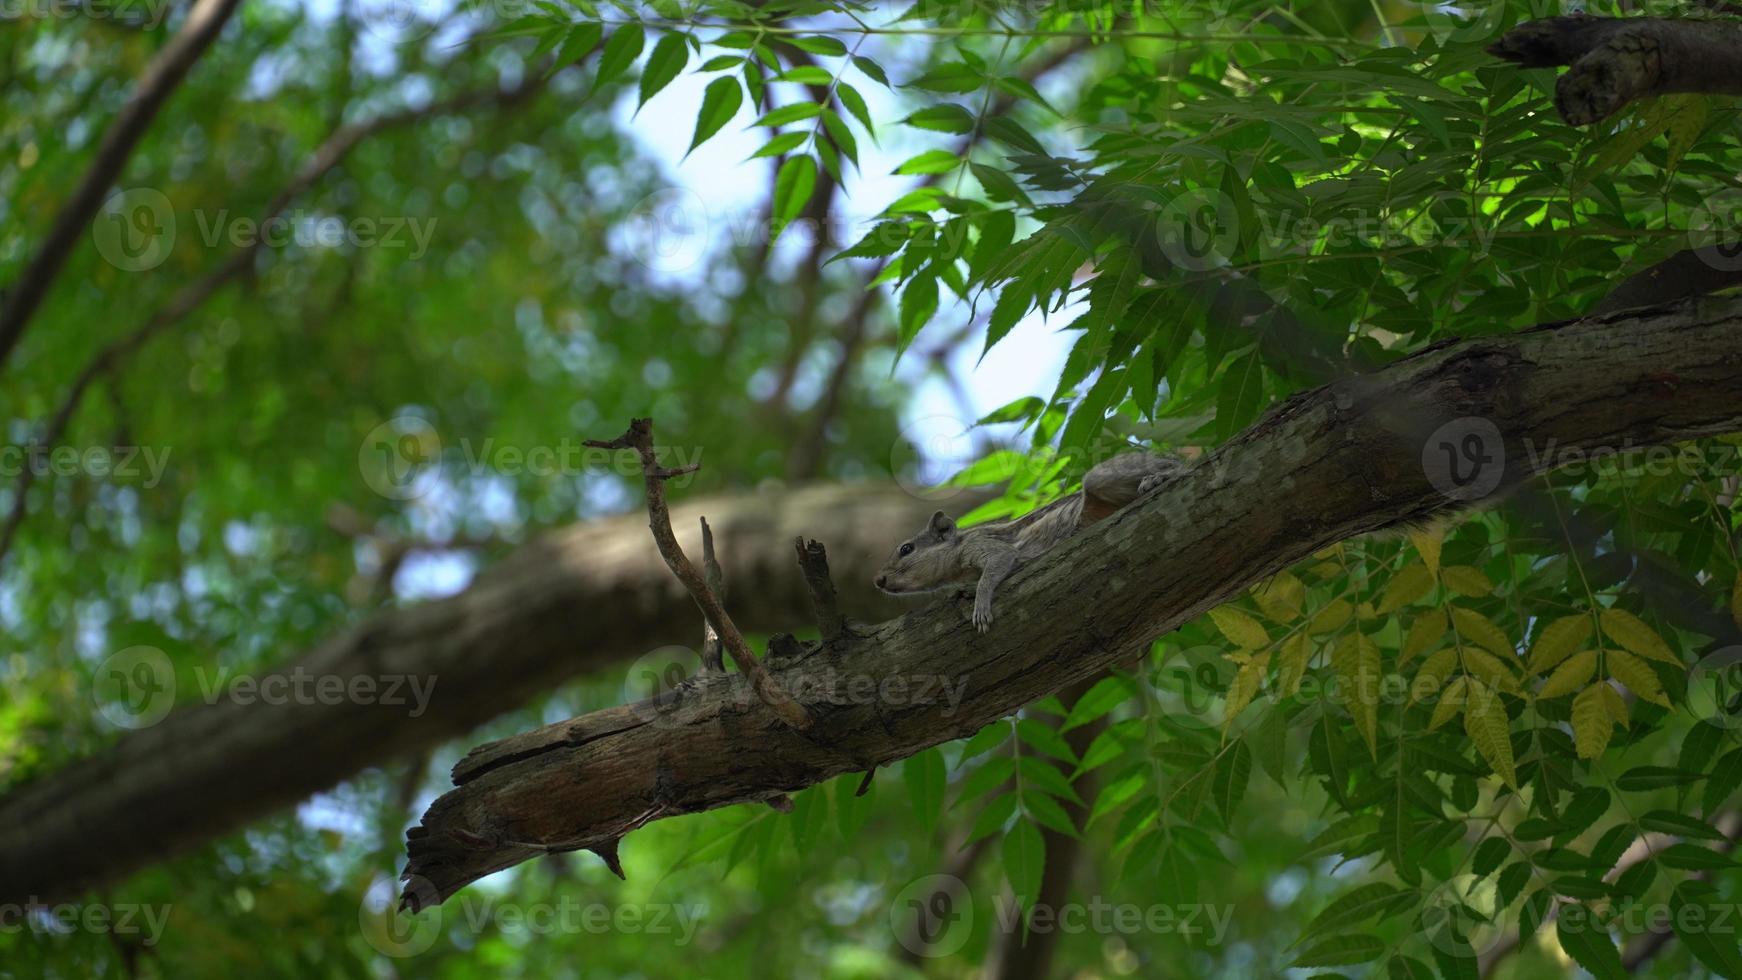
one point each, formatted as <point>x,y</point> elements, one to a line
<point>907,549</point>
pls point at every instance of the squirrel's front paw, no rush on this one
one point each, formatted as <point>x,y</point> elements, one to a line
<point>982,614</point>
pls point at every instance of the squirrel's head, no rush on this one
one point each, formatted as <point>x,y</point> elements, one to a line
<point>926,561</point>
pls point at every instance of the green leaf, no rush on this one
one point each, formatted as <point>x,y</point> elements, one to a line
<point>781,143</point>
<point>1588,943</point>
<point>1490,854</point>
<point>930,162</point>
<point>924,775</point>
<point>855,104</point>
<point>621,50</point>
<point>919,300</point>
<point>1693,857</point>
<point>669,57</point>
<point>1695,913</point>
<point>579,42</point>
<point>792,188</point>
<point>952,76</point>
<point>1653,777</point>
<point>1725,777</point>
<point>1354,907</point>
<point>945,117</point>
<point>1024,854</point>
<point>1233,771</point>
<point>872,70</point>
<point>791,112</point>
<point>1679,824</point>
<point>1341,951</point>
<point>720,103</point>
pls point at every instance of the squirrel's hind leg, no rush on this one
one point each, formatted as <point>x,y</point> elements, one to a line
<point>1115,482</point>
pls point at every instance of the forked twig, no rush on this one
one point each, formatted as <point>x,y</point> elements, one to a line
<point>639,437</point>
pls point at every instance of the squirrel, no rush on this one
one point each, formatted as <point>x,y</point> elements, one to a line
<point>941,554</point>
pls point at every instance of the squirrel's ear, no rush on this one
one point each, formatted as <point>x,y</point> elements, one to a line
<point>941,523</point>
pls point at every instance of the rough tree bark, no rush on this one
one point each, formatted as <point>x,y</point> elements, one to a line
<point>1617,60</point>
<point>574,601</point>
<point>1354,456</point>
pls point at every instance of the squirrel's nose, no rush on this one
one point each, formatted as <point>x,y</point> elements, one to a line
<point>881,579</point>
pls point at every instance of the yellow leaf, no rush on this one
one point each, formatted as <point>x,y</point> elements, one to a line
<point>1324,571</point>
<point>1491,669</point>
<point>1592,722</point>
<point>1558,640</point>
<point>1241,691</point>
<point>1449,704</point>
<point>1405,587</point>
<point>1425,634</point>
<point>1631,632</point>
<point>1480,630</point>
<point>1427,541</point>
<point>1616,707</point>
<point>1432,675</point>
<point>1280,597</point>
<point>1241,630</point>
<point>1356,661</point>
<point>1467,580</point>
<point>1291,663</point>
<point>1637,675</point>
<point>1331,617</point>
<point>1570,675</point>
<point>1486,723</point>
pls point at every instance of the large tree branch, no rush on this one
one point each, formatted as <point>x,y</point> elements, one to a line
<point>1615,61</point>
<point>577,600</point>
<point>204,21</point>
<point>1347,458</point>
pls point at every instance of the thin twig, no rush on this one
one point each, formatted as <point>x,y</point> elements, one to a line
<point>639,437</point>
<point>203,23</point>
<point>327,156</point>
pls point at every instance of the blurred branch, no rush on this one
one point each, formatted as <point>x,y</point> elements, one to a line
<point>806,460</point>
<point>325,157</point>
<point>1022,954</point>
<point>166,71</point>
<point>573,600</point>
